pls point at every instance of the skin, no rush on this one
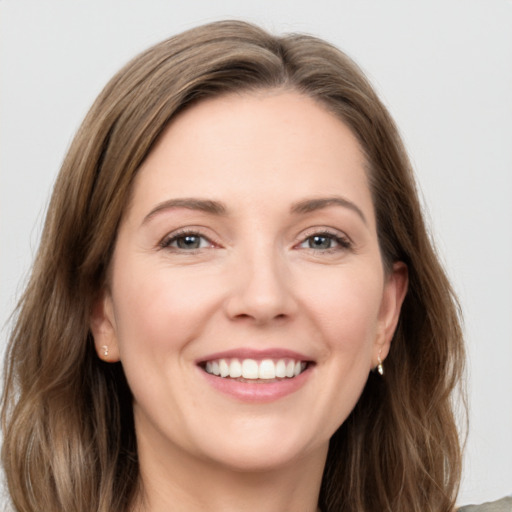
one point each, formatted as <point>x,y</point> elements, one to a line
<point>257,280</point>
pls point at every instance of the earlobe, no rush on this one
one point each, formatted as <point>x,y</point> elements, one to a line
<point>395,290</point>
<point>103,328</point>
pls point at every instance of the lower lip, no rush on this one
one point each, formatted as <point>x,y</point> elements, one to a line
<point>257,391</point>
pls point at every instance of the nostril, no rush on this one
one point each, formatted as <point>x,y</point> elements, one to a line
<point>260,318</point>
<point>243,316</point>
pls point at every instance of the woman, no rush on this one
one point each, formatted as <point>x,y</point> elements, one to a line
<point>235,304</point>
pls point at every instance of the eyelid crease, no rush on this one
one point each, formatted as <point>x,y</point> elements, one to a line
<point>323,230</point>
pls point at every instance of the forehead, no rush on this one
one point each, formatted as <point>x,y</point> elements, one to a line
<point>266,147</point>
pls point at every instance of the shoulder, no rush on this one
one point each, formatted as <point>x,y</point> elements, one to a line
<point>503,505</point>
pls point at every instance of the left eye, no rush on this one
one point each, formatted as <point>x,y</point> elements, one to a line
<point>324,241</point>
<point>187,242</point>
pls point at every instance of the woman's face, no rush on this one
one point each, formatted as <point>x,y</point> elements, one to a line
<point>247,299</point>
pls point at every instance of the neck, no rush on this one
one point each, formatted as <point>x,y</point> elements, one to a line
<point>191,484</point>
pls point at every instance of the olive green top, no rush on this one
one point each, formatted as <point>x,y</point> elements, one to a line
<point>503,505</point>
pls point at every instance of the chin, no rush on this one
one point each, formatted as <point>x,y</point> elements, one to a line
<point>258,460</point>
<point>264,448</point>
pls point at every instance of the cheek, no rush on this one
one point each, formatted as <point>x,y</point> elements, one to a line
<point>346,307</point>
<point>159,310</point>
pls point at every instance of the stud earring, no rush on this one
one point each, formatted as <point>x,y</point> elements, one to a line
<point>105,350</point>
<point>380,366</point>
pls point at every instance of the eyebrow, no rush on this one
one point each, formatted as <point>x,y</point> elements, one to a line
<point>318,203</point>
<point>219,209</point>
<point>203,205</point>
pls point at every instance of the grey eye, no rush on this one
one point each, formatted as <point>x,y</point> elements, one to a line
<point>325,241</point>
<point>188,242</point>
<point>320,242</point>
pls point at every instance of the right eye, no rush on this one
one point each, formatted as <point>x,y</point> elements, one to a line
<point>186,241</point>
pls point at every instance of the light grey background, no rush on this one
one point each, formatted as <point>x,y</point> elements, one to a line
<point>443,67</point>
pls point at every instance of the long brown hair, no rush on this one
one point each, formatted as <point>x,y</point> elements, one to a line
<point>69,440</point>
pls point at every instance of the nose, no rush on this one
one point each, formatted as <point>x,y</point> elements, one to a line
<point>261,289</point>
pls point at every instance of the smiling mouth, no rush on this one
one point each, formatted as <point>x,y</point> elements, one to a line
<point>253,370</point>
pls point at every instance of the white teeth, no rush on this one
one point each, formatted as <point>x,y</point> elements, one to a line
<point>266,369</point>
<point>235,369</point>
<point>281,369</point>
<point>250,369</point>
<point>224,368</point>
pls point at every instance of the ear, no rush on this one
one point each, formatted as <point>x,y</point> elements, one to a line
<point>103,328</point>
<point>395,289</point>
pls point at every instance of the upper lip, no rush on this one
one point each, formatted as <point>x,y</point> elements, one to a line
<point>257,354</point>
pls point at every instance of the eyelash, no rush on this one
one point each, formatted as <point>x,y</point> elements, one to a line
<point>343,242</point>
<point>182,234</point>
